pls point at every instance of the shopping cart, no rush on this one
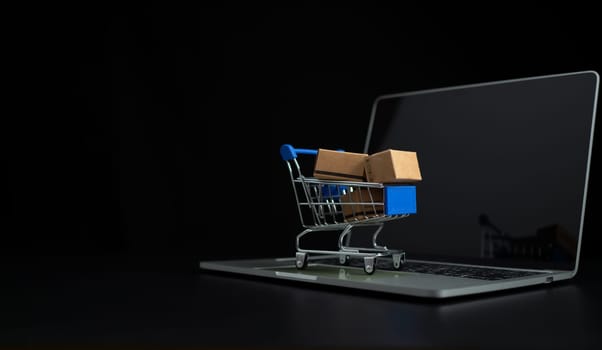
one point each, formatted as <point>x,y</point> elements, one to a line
<point>332,205</point>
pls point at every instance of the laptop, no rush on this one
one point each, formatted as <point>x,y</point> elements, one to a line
<point>501,205</point>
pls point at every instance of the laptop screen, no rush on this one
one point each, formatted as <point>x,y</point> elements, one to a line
<point>504,168</point>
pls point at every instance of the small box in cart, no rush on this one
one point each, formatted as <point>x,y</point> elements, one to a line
<point>392,166</point>
<point>366,202</point>
<point>362,202</point>
<point>400,199</point>
<point>338,165</point>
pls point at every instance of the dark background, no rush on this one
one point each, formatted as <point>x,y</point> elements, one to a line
<point>152,131</point>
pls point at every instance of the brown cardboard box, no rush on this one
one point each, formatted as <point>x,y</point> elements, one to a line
<point>336,165</point>
<point>365,209</point>
<point>391,166</point>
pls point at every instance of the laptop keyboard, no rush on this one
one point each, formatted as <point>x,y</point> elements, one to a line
<point>481,273</point>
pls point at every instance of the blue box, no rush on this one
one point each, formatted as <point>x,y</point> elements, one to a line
<point>400,199</point>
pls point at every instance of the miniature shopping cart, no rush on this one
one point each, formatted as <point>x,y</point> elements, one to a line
<point>332,205</point>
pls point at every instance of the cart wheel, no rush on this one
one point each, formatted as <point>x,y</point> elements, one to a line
<point>369,264</point>
<point>301,260</point>
<point>344,259</point>
<point>398,260</point>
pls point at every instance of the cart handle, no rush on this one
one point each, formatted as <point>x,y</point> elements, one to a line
<point>288,152</point>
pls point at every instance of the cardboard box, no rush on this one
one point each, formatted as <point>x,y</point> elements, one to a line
<point>364,209</point>
<point>393,166</point>
<point>337,165</point>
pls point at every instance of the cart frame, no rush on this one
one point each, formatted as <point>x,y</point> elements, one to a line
<point>333,205</point>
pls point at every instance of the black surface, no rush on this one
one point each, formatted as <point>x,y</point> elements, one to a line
<point>108,155</point>
<point>141,303</point>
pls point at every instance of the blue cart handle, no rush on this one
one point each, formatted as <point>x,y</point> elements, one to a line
<point>288,152</point>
